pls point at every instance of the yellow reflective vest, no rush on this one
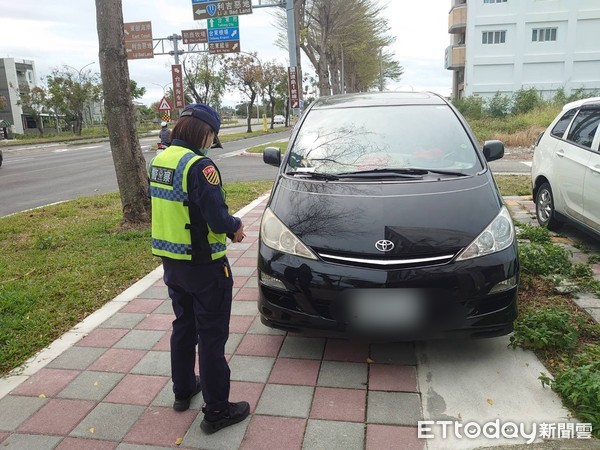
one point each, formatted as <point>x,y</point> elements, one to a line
<point>171,227</point>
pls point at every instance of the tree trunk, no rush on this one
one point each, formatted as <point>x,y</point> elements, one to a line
<point>323,73</point>
<point>272,112</point>
<point>78,122</point>
<point>130,166</point>
<point>39,124</point>
<point>250,105</point>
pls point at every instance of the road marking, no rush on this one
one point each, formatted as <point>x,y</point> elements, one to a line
<point>61,150</point>
<point>527,163</point>
<point>19,160</point>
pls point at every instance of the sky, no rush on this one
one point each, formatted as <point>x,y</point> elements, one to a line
<point>63,32</point>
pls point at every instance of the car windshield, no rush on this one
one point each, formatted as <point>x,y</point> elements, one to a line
<point>349,140</point>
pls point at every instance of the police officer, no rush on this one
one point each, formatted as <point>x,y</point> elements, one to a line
<point>190,222</point>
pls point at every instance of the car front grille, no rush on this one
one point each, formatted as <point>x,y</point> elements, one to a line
<point>385,263</point>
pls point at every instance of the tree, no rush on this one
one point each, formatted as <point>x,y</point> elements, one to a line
<point>70,91</point>
<point>274,77</point>
<point>345,39</point>
<point>33,101</point>
<point>136,92</point>
<point>246,74</point>
<point>206,78</point>
<point>129,162</point>
<point>3,102</point>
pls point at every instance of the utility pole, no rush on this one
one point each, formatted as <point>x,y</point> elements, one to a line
<point>292,44</point>
<point>343,84</point>
<point>380,71</point>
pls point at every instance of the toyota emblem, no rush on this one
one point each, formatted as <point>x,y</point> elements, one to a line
<point>384,245</point>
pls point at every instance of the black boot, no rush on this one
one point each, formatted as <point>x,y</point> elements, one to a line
<point>215,420</point>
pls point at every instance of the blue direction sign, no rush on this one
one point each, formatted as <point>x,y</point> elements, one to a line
<point>223,34</point>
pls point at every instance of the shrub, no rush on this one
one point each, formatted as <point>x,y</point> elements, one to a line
<point>471,107</point>
<point>580,387</point>
<point>580,94</point>
<point>498,105</point>
<point>533,233</point>
<point>525,100</point>
<point>560,97</point>
<point>546,329</point>
<point>544,259</point>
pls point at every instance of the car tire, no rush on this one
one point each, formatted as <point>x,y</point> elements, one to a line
<point>544,208</point>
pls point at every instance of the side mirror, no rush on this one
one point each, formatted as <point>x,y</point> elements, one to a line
<point>493,150</point>
<point>272,156</point>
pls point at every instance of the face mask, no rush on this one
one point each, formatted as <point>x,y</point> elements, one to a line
<point>204,151</point>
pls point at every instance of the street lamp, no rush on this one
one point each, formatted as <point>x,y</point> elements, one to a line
<point>163,86</point>
<point>80,70</point>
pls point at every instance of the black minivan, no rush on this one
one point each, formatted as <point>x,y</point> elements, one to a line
<point>385,221</point>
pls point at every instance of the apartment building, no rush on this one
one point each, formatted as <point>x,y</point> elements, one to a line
<point>505,45</point>
<point>15,73</point>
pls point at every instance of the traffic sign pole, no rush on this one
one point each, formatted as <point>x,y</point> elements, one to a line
<point>292,46</point>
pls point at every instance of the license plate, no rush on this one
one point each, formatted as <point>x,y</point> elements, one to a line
<point>385,309</point>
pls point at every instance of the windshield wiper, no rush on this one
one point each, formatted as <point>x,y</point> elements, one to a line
<point>316,175</point>
<point>407,172</point>
<point>378,173</point>
<point>448,172</point>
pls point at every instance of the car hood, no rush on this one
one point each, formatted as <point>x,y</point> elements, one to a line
<point>421,218</point>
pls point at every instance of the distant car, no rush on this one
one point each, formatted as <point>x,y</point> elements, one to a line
<point>279,120</point>
<point>385,220</point>
<point>565,172</point>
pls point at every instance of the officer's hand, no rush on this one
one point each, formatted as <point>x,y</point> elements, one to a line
<point>239,235</point>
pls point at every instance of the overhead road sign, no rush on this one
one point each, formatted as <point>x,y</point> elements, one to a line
<point>224,22</point>
<point>223,34</point>
<point>138,40</point>
<point>195,36</point>
<point>216,48</point>
<point>206,10</point>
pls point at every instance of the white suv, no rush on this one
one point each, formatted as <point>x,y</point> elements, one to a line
<point>565,174</point>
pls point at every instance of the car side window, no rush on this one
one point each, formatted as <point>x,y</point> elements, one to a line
<point>562,125</point>
<point>584,127</point>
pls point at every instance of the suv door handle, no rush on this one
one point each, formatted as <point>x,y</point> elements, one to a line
<point>560,153</point>
<point>595,169</point>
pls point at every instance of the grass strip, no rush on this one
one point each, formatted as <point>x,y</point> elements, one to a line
<point>60,263</point>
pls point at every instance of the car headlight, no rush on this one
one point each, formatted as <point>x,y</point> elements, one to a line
<point>274,234</point>
<point>497,236</point>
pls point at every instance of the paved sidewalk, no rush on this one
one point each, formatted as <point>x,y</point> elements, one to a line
<point>106,384</point>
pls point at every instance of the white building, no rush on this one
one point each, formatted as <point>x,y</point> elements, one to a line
<point>15,73</point>
<point>506,45</point>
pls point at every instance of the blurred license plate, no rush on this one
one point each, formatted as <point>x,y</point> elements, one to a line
<point>389,309</point>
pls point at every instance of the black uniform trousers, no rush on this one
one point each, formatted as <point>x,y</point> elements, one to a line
<point>201,296</point>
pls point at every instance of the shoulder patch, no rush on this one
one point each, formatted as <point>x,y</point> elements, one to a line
<point>211,174</point>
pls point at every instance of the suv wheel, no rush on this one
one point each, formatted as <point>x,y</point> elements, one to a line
<point>544,208</point>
